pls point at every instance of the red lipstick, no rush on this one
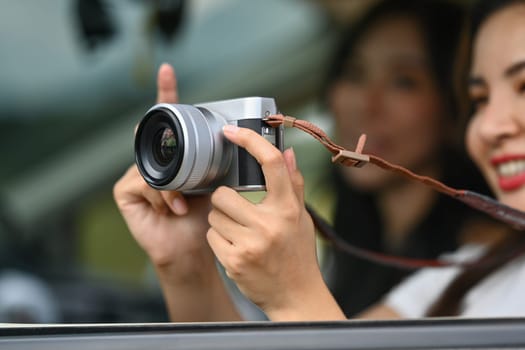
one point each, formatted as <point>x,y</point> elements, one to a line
<point>512,181</point>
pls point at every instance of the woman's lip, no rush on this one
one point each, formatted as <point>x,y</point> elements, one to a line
<point>511,183</point>
<point>506,158</point>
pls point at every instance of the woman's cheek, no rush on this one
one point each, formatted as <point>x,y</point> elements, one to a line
<point>471,140</point>
<point>478,151</point>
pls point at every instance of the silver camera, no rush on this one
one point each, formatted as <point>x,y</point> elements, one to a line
<point>182,147</point>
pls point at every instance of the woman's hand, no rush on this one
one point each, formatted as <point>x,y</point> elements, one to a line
<point>172,231</point>
<point>169,227</point>
<point>269,248</point>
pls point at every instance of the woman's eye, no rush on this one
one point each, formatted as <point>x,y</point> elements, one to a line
<point>521,88</point>
<point>404,82</point>
<point>477,102</point>
<point>353,74</point>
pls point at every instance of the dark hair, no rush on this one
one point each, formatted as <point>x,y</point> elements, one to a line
<point>440,23</point>
<point>449,303</point>
<point>483,9</point>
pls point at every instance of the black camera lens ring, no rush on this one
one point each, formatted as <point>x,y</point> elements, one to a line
<point>155,171</point>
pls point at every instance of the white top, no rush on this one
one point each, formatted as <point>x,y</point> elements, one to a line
<point>501,294</point>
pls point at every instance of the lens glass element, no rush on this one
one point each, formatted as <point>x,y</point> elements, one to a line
<point>165,146</point>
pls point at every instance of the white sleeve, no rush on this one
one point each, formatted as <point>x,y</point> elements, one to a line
<point>500,294</point>
<point>417,293</point>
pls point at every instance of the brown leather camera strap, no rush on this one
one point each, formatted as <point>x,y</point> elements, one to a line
<point>513,217</point>
<point>327,232</point>
<point>499,211</point>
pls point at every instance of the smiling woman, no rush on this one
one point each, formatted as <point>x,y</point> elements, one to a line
<point>495,140</point>
<point>497,91</point>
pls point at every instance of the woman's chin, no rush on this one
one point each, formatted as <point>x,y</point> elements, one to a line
<point>514,198</point>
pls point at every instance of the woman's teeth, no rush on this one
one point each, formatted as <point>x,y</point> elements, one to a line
<point>511,168</point>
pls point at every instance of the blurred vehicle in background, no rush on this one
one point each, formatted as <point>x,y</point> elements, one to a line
<point>75,78</point>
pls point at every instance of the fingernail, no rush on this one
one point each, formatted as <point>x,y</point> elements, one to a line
<point>165,64</point>
<point>290,158</point>
<point>294,162</point>
<point>230,129</point>
<point>179,206</point>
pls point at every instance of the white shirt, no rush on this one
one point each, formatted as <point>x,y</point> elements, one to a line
<point>501,294</point>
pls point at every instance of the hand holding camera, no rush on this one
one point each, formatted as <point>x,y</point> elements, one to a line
<point>220,147</point>
<point>155,216</point>
<point>269,248</point>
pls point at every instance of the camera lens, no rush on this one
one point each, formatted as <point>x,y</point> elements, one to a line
<point>165,146</point>
<point>160,147</point>
<point>181,147</point>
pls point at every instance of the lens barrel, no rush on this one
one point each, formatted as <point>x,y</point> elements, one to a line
<point>181,147</point>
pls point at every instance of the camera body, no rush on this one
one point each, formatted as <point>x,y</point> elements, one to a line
<point>182,147</point>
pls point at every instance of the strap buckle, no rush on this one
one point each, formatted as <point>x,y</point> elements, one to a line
<point>350,158</point>
<point>355,159</point>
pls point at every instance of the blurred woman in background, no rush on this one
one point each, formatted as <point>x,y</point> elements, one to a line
<point>393,79</point>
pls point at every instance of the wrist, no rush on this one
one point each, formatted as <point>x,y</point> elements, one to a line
<point>192,269</point>
<point>314,303</point>
<point>197,297</point>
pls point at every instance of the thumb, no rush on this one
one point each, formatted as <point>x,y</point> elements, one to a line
<point>166,85</point>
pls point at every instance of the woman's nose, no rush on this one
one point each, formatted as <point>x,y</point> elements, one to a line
<point>499,120</point>
<point>372,99</point>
